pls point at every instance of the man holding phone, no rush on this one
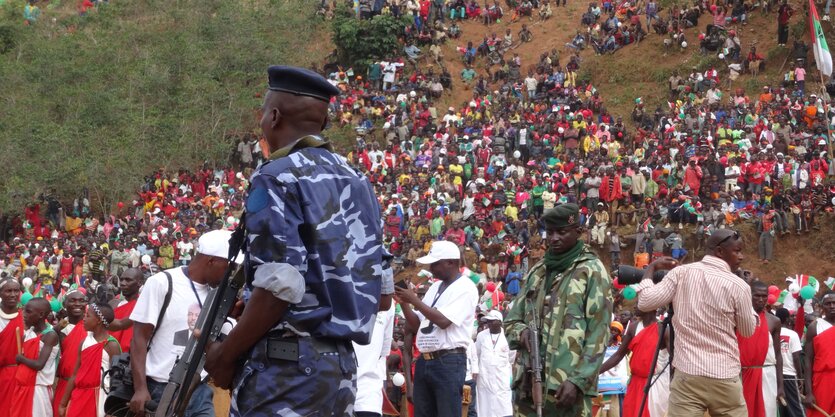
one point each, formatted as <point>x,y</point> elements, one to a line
<point>442,323</point>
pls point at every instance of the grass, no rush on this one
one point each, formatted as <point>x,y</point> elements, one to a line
<point>101,100</point>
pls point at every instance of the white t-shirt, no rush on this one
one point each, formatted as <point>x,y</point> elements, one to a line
<point>789,344</point>
<point>170,339</point>
<point>186,248</point>
<point>732,170</point>
<point>457,303</point>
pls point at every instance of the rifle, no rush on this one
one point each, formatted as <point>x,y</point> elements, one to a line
<point>185,376</point>
<point>535,363</point>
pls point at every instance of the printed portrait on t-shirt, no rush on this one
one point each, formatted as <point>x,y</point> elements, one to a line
<point>181,337</point>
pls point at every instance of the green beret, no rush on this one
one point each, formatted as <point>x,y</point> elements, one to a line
<point>563,215</point>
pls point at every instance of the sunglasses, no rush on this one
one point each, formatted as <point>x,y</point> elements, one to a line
<point>735,235</point>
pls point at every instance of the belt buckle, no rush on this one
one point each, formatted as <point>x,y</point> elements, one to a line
<point>427,356</point>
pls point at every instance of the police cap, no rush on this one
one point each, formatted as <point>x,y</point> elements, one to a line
<point>301,82</point>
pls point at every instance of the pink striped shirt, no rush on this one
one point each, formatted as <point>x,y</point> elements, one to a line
<point>710,304</point>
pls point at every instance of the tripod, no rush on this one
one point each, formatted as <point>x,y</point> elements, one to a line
<point>667,323</point>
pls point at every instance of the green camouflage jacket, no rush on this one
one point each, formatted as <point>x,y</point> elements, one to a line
<point>575,318</point>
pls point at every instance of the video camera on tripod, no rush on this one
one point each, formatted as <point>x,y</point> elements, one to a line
<point>628,275</point>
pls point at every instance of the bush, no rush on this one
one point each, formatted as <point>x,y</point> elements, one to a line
<point>361,42</point>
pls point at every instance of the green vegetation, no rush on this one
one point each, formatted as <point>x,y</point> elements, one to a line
<point>361,42</point>
<point>101,100</point>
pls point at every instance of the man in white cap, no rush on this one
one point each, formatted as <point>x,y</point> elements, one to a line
<point>189,286</point>
<point>495,369</point>
<point>442,323</point>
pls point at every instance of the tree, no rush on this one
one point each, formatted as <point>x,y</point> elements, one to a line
<point>361,42</point>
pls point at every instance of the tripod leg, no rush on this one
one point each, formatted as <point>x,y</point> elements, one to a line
<point>667,323</point>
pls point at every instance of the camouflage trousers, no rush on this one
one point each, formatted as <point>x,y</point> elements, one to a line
<point>318,384</point>
<point>525,408</point>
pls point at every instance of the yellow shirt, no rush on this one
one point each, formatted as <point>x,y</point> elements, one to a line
<point>511,212</point>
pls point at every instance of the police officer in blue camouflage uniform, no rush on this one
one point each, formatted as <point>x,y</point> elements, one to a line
<point>314,261</point>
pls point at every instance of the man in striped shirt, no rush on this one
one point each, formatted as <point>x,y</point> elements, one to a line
<point>711,304</point>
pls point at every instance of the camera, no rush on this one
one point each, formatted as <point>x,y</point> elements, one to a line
<point>628,275</point>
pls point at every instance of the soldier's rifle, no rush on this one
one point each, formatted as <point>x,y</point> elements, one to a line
<point>535,363</point>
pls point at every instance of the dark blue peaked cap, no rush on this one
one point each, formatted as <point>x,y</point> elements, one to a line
<point>301,82</point>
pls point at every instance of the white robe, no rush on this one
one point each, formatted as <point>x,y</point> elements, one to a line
<point>493,398</point>
<point>42,400</point>
<point>659,393</point>
<point>770,380</point>
<point>371,364</point>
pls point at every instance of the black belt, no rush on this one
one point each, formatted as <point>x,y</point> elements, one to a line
<point>287,348</point>
<point>428,356</point>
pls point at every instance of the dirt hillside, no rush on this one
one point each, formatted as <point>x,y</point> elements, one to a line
<point>641,70</point>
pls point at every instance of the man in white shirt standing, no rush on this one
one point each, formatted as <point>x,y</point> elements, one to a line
<point>790,348</point>
<point>494,398</point>
<point>189,289</point>
<point>442,323</point>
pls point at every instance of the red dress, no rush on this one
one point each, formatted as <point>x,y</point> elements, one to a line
<point>124,336</point>
<point>642,347</point>
<point>70,347</point>
<point>85,395</point>
<point>752,352</point>
<point>823,371</point>
<point>8,365</point>
<point>24,381</point>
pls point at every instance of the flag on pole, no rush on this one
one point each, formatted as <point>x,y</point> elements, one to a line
<point>822,55</point>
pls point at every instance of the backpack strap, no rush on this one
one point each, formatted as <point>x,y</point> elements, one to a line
<point>164,306</point>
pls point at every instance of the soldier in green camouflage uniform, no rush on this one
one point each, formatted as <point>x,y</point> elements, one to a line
<point>570,292</point>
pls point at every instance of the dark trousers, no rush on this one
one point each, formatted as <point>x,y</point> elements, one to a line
<point>782,34</point>
<point>200,404</point>
<point>794,408</point>
<point>438,385</point>
<point>367,414</point>
<point>315,384</point>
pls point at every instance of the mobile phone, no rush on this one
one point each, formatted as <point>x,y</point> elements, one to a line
<point>402,284</point>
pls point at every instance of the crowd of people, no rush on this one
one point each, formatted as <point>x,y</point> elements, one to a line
<point>481,174</point>
<point>530,152</point>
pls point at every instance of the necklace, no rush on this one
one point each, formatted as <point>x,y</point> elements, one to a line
<point>496,340</point>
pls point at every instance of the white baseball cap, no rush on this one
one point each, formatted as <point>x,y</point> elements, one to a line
<point>440,250</point>
<point>493,315</point>
<point>216,243</point>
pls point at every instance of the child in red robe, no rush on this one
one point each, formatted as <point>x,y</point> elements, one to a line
<point>35,372</point>
<point>11,324</point>
<point>84,396</point>
<point>752,353</point>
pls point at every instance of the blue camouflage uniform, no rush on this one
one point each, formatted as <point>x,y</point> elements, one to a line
<point>314,240</point>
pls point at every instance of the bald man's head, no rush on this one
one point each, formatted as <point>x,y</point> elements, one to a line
<point>130,281</point>
<point>35,311</point>
<point>287,117</point>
